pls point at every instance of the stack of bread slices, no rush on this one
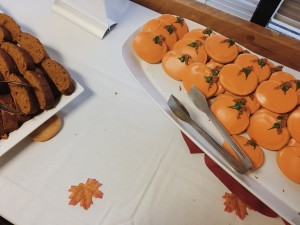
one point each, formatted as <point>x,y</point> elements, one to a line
<point>30,81</point>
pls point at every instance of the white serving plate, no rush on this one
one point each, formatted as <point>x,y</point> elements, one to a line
<point>30,125</point>
<point>268,183</point>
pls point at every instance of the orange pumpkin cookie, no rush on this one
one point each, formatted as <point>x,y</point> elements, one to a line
<point>241,50</point>
<point>287,77</point>
<point>215,68</point>
<point>174,64</point>
<point>268,129</point>
<point>250,148</point>
<point>214,65</point>
<point>221,49</point>
<point>200,76</point>
<point>276,96</point>
<point>159,27</point>
<point>293,124</point>
<point>199,34</point>
<point>232,113</point>
<point>192,47</point>
<point>259,66</point>
<point>293,143</point>
<point>250,101</point>
<point>282,76</point>
<point>179,24</point>
<point>288,160</point>
<point>149,47</point>
<point>238,80</point>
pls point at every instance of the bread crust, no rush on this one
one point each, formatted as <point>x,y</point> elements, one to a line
<point>33,46</point>
<point>41,89</point>
<point>23,96</point>
<point>4,35</point>
<point>7,65</point>
<point>3,86</point>
<point>59,75</point>
<point>9,120</point>
<point>20,57</point>
<point>11,25</point>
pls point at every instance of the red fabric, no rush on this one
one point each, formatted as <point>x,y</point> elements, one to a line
<point>234,186</point>
<point>191,145</point>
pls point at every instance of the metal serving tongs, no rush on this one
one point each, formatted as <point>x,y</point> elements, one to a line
<point>8,109</point>
<point>182,113</point>
<point>200,102</point>
<point>15,83</point>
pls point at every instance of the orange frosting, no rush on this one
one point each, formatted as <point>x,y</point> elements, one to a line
<point>276,96</point>
<point>192,47</point>
<point>267,130</point>
<point>221,49</point>
<point>253,151</point>
<point>293,124</point>
<point>235,121</point>
<point>288,160</point>
<point>159,27</point>
<point>179,24</point>
<point>259,66</point>
<point>147,49</point>
<point>236,81</point>
<point>174,64</point>
<point>199,75</point>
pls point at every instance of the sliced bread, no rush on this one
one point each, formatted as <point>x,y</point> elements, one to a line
<point>7,65</point>
<point>11,25</point>
<point>23,96</point>
<point>20,57</point>
<point>41,89</point>
<point>9,120</point>
<point>59,75</point>
<point>4,35</point>
<point>33,46</point>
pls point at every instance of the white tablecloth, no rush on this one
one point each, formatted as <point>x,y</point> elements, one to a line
<point>114,133</point>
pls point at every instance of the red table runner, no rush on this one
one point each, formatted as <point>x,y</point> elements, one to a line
<point>235,187</point>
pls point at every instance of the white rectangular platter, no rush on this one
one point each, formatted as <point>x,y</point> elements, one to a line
<point>30,125</point>
<point>267,183</point>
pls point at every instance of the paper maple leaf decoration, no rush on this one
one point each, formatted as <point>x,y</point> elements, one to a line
<point>84,193</point>
<point>233,203</point>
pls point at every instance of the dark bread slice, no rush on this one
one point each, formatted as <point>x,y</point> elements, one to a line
<point>3,135</point>
<point>7,65</point>
<point>22,118</point>
<point>33,46</point>
<point>23,96</point>
<point>3,86</point>
<point>20,57</point>
<point>41,89</point>
<point>9,120</point>
<point>4,35</point>
<point>11,25</point>
<point>56,93</point>
<point>59,75</point>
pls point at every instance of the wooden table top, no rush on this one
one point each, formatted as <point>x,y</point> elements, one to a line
<point>268,43</point>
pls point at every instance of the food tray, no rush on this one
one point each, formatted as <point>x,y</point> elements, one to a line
<point>30,125</point>
<point>267,183</point>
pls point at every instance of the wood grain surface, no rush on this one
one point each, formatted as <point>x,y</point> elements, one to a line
<point>270,44</point>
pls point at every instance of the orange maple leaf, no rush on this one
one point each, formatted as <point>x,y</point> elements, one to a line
<point>234,203</point>
<point>84,193</point>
